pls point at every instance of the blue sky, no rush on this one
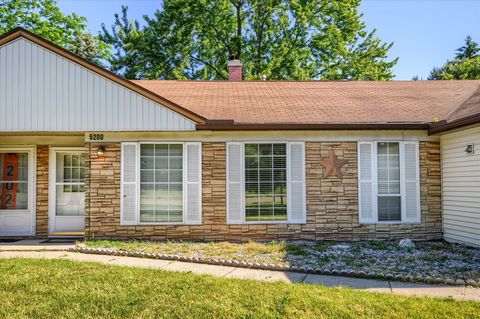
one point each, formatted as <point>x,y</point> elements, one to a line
<point>425,33</point>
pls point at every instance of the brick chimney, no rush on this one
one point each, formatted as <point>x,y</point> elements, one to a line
<point>235,70</point>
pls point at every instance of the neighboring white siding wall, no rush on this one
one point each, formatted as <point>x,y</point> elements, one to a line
<point>461,186</point>
<point>42,91</point>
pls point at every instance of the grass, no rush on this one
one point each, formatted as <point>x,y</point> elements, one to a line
<point>258,251</point>
<point>65,289</point>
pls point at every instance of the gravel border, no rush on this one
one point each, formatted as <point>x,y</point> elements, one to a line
<point>307,270</point>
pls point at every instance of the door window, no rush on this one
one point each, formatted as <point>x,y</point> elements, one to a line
<point>13,181</point>
<point>70,184</point>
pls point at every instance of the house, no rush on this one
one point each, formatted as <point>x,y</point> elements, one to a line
<point>84,152</point>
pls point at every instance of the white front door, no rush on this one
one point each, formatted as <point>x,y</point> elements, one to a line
<point>17,189</point>
<point>66,191</point>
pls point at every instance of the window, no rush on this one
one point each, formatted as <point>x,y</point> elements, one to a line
<point>70,184</point>
<point>73,178</point>
<point>265,182</point>
<point>389,187</point>
<point>161,183</point>
<point>14,181</point>
<point>388,167</point>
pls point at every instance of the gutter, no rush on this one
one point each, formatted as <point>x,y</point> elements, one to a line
<point>444,126</point>
<point>230,125</point>
<point>432,127</point>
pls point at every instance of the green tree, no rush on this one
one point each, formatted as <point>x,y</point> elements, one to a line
<point>467,51</point>
<point>129,42</point>
<point>465,65</point>
<point>44,18</point>
<point>278,39</point>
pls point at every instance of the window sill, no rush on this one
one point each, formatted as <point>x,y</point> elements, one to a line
<point>162,224</point>
<point>270,222</point>
<point>391,223</point>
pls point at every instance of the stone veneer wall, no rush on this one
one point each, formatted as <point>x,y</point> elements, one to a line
<point>331,203</point>
<point>42,191</point>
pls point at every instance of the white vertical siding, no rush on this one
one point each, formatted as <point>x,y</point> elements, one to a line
<point>42,91</point>
<point>461,186</point>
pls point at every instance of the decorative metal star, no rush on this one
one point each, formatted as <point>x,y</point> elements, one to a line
<point>333,165</point>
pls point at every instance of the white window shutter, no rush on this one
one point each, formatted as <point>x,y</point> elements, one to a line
<point>366,183</point>
<point>296,189</point>
<point>235,171</point>
<point>128,203</point>
<point>411,175</point>
<point>193,192</point>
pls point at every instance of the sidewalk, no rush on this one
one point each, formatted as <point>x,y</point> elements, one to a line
<point>37,245</point>
<point>400,288</point>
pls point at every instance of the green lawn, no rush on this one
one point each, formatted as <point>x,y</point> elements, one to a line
<point>59,288</point>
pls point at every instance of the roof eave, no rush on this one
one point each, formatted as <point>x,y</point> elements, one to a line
<point>445,126</point>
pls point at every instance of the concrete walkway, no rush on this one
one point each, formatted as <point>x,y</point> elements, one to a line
<point>38,245</point>
<point>400,288</point>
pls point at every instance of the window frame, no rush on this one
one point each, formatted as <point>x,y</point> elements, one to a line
<point>403,219</point>
<point>401,186</point>
<point>287,154</point>
<point>286,185</point>
<point>31,182</point>
<point>71,153</point>
<point>184,183</point>
<point>52,183</point>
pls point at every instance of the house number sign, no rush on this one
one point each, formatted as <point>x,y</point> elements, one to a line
<point>9,188</point>
<point>95,137</point>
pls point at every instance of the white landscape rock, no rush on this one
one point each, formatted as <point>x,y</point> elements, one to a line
<point>406,243</point>
<point>340,247</point>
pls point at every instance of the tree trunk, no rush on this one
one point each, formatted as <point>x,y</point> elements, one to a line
<point>238,7</point>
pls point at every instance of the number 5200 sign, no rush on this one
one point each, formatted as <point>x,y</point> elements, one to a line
<point>95,137</point>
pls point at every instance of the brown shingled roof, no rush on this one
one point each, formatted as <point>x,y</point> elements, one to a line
<point>321,102</point>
